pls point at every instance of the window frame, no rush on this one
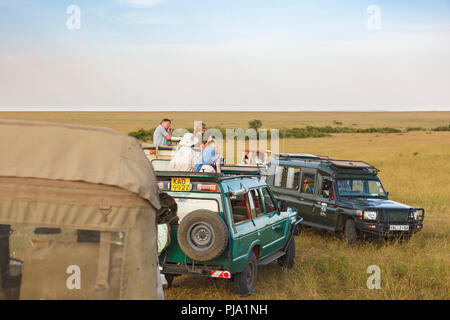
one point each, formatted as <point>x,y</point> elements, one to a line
<point>319,190</point>
<point>278,177</point>
<point>275,204</point>
<point>315,174</point>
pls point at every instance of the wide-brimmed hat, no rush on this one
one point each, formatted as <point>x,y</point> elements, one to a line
<point>188,140</point>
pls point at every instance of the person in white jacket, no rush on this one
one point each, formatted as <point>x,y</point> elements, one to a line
<point>185,157</point>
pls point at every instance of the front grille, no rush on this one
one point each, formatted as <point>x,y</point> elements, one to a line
<point>396,215</point>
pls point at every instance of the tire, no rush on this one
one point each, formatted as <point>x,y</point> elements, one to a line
<point>298,229</point>
<point>203,235</point>
<point>350,233</point>
<point>288,259</point>
<point>245,281</point>
<point>169,279</point>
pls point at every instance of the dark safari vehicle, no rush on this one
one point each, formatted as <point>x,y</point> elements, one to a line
<point>227,225</point>
<point>341,196</point>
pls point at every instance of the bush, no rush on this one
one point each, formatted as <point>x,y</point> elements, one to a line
<point>442,128</point>
<point>408,129</point>
<point>255,124</point>
<point>142,134</point>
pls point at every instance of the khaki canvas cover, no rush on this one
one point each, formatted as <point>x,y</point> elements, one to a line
<point>79,178</point>
<point>108,270</point>
<point>75,153</point>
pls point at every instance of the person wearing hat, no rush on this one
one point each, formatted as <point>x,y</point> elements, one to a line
<point>184,158</point>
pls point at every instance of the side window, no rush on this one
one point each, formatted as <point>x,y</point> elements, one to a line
<point>287,177</point>
<point>257,203</point>
<point>268,201</point>
<point>293,178</point>
<point>240,208</point>
<point>326,189</point>
<point>308,183</point>
<point>278,176</point>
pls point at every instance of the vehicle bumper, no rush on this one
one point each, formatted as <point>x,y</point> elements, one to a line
<point>207,271</point>
<point>384,229</point>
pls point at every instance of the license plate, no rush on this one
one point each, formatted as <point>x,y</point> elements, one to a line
<point>180,184</point>
<point>398,228</point>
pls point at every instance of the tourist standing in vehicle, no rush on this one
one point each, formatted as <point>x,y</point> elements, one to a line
<point>184,158</point>
<point>163,133</point>
<point>210,160</point>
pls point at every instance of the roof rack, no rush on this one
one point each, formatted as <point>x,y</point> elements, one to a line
<point>204,175</point>
<point>300,156</point>
<point>341,164</point>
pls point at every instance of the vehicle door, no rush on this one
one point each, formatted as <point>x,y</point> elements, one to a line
<point>268,221</point>
<point>278,220</point>
<point>263,221</point>
<point>244,228</point>
<point>325,205</point>
<point>307,197</point>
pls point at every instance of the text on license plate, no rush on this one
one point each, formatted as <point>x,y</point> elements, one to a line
<point>180,184</point>
<point>398,227</point>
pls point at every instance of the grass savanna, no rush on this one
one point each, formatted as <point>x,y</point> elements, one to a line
<point>415,169</point>
<point>126,122</point>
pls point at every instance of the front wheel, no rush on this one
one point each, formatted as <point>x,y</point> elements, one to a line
<point>169,279</point>
<point>289,258</point>
<point>350,233</point>
<point>245,281</point>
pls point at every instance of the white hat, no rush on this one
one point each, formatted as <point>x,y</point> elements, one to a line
<point>188,140</point>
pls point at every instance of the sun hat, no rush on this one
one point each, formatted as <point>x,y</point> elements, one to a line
<point>188,140</point>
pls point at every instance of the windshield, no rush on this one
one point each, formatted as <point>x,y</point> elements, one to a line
<point>187,205</point>
<point>360,188</point>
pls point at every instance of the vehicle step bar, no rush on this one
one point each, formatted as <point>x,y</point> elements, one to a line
<point>317,225</point>
<point>272,258</point>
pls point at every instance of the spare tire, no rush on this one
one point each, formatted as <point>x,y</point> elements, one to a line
<point>202,235</point>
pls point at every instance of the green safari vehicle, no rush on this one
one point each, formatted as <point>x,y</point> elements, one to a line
<point>342,196</point>
<point>226,226</point>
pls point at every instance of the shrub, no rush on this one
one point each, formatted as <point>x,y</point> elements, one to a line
<point>442,128</point>
<point>255,124</point>
<point>142,134</point>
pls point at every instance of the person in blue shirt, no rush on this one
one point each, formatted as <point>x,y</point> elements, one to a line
<point>163,133</point>
<point>209,160</point>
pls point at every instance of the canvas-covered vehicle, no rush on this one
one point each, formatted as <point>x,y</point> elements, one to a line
<point>227,225</point>
<point>341,196</point>
<point>78,213</point>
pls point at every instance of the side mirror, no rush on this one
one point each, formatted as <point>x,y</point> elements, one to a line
<point>387,194</point>
<point>282,205</point>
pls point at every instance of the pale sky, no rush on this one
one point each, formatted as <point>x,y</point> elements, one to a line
<point>226,55</point>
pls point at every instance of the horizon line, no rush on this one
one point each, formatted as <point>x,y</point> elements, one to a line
<point>215,109</point>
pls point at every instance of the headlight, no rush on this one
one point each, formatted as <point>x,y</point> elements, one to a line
<point>370,215</point>
<point>416,214</point>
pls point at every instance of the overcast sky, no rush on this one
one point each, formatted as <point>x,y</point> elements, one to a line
<point>228,55</point>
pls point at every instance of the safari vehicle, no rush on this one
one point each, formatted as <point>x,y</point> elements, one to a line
<point>255,156</point>
<point>226,227</point>
<point>341,196</point>
<point>158,152</point>
<point>78,213</point>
